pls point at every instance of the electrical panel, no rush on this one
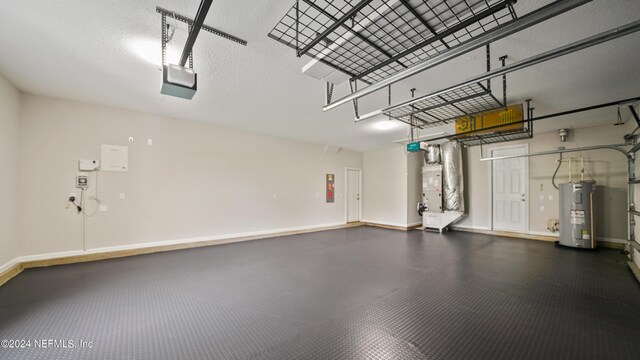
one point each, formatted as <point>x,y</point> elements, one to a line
<point>114,158</point>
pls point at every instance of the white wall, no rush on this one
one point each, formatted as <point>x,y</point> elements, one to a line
<point>392,186</point>
<point>607,167</point>
<point>196,180</point>
<point>9,130</point>
<point>385,187</point>
<point>414,186</point>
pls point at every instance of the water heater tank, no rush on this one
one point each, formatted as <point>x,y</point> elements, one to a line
<point>577,228</point>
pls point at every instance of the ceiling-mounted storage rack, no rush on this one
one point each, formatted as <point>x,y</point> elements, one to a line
<point>370,40</point>
<point>500,134</point>
<point>445,108</point>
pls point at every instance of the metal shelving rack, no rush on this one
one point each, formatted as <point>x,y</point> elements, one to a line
<point>445,108</point>
<point>498,136</point>
<point>372,40</point>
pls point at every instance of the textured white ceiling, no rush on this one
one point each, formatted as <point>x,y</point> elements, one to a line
<point>87,51</point>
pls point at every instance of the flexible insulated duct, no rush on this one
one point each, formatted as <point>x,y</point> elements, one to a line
<point>452,176</point>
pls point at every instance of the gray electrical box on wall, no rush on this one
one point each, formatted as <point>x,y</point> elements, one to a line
<point>577,228</point>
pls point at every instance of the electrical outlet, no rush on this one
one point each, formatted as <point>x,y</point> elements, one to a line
<point>123,196</point>
<point>103,208</point>
<point>149,141</point>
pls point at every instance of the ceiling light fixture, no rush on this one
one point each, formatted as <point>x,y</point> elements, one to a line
<point>150,51</point>
<point>385,125</point>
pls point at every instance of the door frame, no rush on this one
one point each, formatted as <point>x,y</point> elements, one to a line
<point>346,193</point>
<point>491,149</point>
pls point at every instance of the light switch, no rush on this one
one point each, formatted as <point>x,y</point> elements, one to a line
<point>550,197</point>
<point>149,141</point>
<point>541,208</point>
<point>122,196</point>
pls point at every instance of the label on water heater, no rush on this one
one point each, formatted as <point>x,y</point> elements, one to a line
<point>577,217</point>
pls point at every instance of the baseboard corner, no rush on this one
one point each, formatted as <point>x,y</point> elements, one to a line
<point>13,269</point>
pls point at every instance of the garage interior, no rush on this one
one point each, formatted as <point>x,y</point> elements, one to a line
<point>300,179</point>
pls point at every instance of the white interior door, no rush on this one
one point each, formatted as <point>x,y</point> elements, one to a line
<point>510,193</point>
<point>353,195</point>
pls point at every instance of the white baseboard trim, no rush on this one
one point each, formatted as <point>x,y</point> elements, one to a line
<point>386,223</point>
<point>535,233</point>
<point>48,256</point>
<point>544,233</point>
<point>9,265</point>
<point>471,227</point>
<point>249,235</point>
<point>512,234</point>
<point>209,238</point>
<point>613,240</point>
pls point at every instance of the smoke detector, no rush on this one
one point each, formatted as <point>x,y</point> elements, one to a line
<point>563,134</point>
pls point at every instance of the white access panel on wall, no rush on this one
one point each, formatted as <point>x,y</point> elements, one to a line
<point>114,158</point>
